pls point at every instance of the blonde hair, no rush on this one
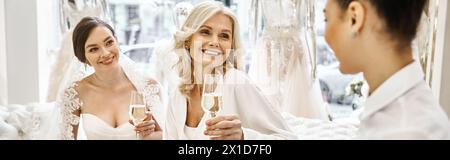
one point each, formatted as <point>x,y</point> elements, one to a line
<point>198,16</point>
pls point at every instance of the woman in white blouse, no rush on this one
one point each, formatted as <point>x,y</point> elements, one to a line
<point>374,37</point>
<point>208,42</point>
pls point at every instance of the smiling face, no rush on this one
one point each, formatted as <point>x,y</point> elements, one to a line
<point>101,49</point>
<point>210,46</point>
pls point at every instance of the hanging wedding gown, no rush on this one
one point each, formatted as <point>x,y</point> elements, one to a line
<point>71,13</point>
<point>282,63</point>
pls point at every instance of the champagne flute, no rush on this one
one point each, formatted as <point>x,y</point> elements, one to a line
<point>212,94</point>
<point>137,109</point>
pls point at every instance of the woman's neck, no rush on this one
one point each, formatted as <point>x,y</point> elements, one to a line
<point>196,91</point>
<point>384,64</point>
<point>109,78</point>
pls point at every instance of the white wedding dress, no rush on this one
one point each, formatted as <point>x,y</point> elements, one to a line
<point>92,127</point>
<point>281,67</point>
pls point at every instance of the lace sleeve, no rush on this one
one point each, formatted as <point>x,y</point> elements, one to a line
<point>152,92</point>
<point>70,111</point>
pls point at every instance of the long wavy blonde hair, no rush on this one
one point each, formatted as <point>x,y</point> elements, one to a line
<point>198,16</point>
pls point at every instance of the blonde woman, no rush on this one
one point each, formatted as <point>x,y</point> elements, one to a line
<point>208,42</point>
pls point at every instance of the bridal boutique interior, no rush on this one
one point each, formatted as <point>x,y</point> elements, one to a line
<point>35,50</point>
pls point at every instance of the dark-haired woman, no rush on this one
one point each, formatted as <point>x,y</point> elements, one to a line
<point>374,37</point>
<point>97,106</point>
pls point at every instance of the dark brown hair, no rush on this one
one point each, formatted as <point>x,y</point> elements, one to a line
<point>401,17</point>
<point>81,34</point>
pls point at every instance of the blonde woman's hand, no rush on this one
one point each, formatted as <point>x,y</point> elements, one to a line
<point>226,127</point>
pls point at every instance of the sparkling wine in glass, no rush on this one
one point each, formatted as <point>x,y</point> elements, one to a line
<point>212,94</point>
<point>137,109</point>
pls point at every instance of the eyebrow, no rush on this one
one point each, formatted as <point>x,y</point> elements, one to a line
<point>93,45</point>
<point>205,27</point>
<point>224,30</point>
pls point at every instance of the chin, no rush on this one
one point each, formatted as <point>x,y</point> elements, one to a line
<point>110,66</point>
<point>348,70</point>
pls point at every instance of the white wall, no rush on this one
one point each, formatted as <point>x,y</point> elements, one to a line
<point>22,51</point>
<point>3,83</point>
<point>441,68</point>
<point>445,78</point>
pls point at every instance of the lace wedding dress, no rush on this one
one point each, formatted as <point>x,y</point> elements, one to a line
<point>282,64</point>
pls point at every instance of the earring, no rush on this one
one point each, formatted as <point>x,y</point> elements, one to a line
<point>186,44</point>
<point>354,34</point>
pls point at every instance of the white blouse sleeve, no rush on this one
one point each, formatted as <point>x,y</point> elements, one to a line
<point>169,131</point>
<point>259,119</point>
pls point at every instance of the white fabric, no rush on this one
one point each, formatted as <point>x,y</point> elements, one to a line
<point>259,119</point>
<point>11,121</point>
<point>95,128</point>
<point>196,133</point>
<point>403,107</point>
<point>281,65</point>
<point>26,122</point>
<point>68,100</point>
<point>304,129</point>
<point>315,129</point>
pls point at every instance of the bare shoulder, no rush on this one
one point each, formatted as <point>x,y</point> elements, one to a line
<point>83,86</point>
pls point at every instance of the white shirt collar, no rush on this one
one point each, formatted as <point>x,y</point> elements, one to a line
<point>391,89</point>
